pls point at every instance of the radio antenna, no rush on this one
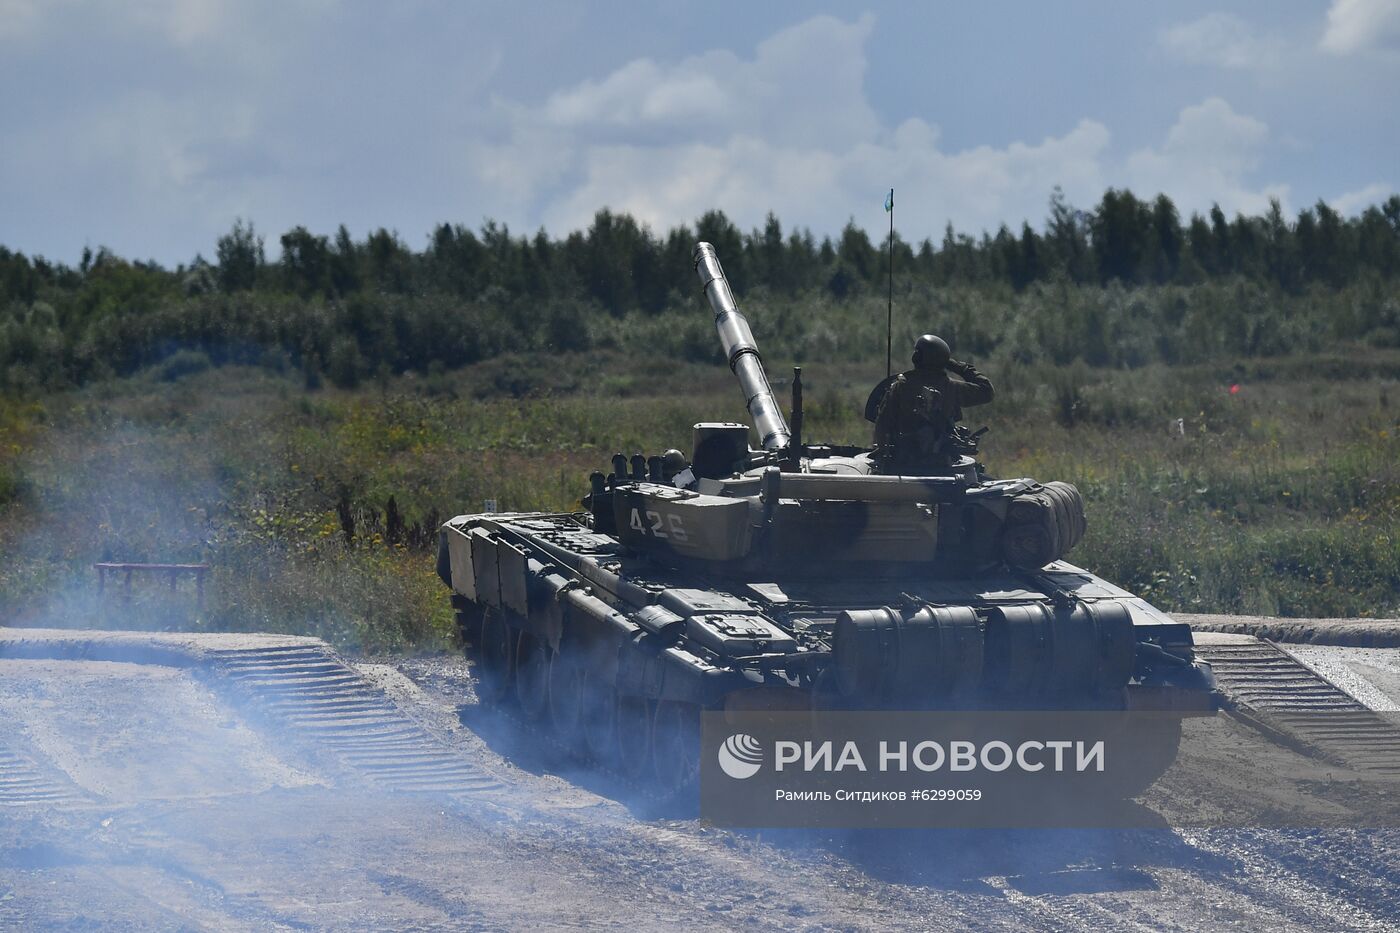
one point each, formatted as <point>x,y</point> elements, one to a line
<point>889,306</point>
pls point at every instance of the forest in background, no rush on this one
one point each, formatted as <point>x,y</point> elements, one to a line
<point>1126,284</point>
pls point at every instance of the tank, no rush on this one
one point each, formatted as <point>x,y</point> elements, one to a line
<point>797,576</point>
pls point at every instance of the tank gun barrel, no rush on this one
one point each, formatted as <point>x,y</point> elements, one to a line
<point>741,351</point>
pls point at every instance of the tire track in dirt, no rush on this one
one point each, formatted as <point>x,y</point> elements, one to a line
<point>309,691</point>
<point>23,782</point>
<point>1282,693</point>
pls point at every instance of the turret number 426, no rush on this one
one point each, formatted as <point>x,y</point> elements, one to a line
<point>665,527</point>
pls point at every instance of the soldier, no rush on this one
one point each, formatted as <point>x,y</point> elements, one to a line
<point>675,469</point>
<point>921,407</point>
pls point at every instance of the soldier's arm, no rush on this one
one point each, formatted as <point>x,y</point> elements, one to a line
<point>888,415</point>
<point>975,389</point>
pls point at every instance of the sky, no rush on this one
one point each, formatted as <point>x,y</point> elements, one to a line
<point>149,126</point>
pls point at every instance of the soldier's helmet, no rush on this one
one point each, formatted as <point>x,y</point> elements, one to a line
<point>931,352</point>
<point>672,462</point>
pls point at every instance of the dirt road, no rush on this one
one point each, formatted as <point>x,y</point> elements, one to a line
<point>246,782</point>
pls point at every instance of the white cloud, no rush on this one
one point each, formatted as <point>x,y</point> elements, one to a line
<point>792,131</point>
<point>1207,156</point>
<point>1358,25</point>
<point>747,176</point>
<point>668,141</point>
<point>719,92</point>
<point>1223,40</point>
<point>1354,202</point>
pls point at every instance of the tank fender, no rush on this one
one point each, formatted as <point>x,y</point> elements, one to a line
<point>595,623</point>
<point>646,669</point>
<point>598,575</point>
<point>454,544</point>
<point>683,676</point>
<point>638,670</point>
<point>659,620</point>
<point>444,558</point>
<point>513,574</point>
<point>485,579</point>
<point>545,620</point>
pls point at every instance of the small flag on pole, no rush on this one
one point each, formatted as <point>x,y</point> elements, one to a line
<point>889,202</point>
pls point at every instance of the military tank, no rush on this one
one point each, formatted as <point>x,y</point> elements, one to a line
<point>796,576</point>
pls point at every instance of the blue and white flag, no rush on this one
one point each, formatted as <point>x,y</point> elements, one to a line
<point>889,202</point>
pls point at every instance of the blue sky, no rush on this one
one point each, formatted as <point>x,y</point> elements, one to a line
<point>148,126</point>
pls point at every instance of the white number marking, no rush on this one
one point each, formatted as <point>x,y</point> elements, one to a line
<point>662,527</point>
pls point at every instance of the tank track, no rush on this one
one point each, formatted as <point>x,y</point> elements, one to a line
<point>639,784</point>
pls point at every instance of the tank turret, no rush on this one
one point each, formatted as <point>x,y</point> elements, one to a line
<point>807,510</point>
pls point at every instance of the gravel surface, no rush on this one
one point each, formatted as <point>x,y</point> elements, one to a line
<point>1372,675</point>
<point>184,808</point>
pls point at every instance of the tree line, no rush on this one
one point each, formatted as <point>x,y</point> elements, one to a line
<point>349,307</point>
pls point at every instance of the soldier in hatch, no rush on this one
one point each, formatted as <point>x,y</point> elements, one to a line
<point>921,407</point>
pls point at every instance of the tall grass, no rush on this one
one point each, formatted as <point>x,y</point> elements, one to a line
<point>1282,497</point>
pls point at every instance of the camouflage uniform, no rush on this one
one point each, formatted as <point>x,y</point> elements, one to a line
<point>919,411</point>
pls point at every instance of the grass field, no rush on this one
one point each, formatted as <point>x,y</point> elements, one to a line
<point>1282,497</point>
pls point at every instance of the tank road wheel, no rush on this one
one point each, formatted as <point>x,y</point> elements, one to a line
<point>634,736</point>
<point>496,657</point>
<point>675,745</point>
<point>532,675</point>
<point>566,698</point>
<point>598,715</point>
